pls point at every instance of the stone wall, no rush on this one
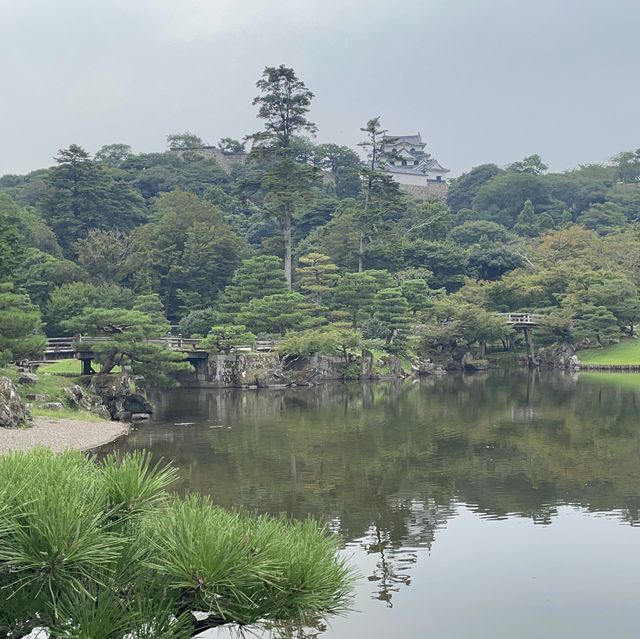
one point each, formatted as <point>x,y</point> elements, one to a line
<point>432,190</point>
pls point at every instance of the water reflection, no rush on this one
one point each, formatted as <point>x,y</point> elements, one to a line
<point>389,465</point>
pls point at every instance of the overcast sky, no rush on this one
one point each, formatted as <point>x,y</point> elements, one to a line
<point>482,80</point>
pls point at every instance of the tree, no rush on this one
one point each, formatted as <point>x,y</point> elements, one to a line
<point>84,195</point>
<point>20,326</point>
<point>113,154</point>
<point>183,141</point>
<point>329,340</point>
<point>392,310</point>
<point>283,105</point>
<point>129,343</point>
<point>596,323</point>
<point>532,164</point>
<point>101,549</point>
<point>345,167</point>
<point>102,253</point>
<point>463,190</point>
<point>381,193</point>
<point>12,244</point>
<point>603,218</point>
<point>470,232</point>
<point>317,275</point>
<point>354,293</point>
<point>198,322</point>
<point>278,313</point>
<point>627,165</point>
<point>223,338</point>
<point>229,145</point>
<point>187,254</point>
<point>68,301</point>
<point>256,277</point>
<point>416,292</point>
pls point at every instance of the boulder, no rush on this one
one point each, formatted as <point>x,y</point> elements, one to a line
<point>52,405</point>
<point>38,397</point>
<point>424,366</point>
<point>561,355</point>
<point>27,379</point>
<point>115,393</point>
<point>469,363</point>
<point>13,411</point>
<point>394,366</point>
<point>81,399</point>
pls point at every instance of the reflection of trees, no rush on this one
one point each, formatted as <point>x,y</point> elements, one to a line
<point>386,462</point>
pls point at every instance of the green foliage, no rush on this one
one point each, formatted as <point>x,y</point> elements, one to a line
<point>68,300</point>
<point>129,344</point>
<point>353,294</point>
<point>328,340</point>
<point>187,254</point>
<point>596,324</point>
<point>183,141</point>
<point>102,254</point>
<point>278,313</point>
<point>101,550</point>
<point>198,322</point>
<point>463,190</point>
<point>223,338</point>
<point>532,164</point>
<point>256,277</point>
<point>316,275</point>
<point>392,310</point>
<point>85,195</point>
<point>20,325</point>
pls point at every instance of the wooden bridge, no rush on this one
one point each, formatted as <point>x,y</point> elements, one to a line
<point>81,347</point>
<point>522,320</point>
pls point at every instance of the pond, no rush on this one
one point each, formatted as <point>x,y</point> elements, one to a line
<point>497,505</point>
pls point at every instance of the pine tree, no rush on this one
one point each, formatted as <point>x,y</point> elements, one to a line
<point>278,313</point>
<point>283,105</point>
<point>354,293</point>
<point>416,292</point>
<point>256,278</point>
<point>20,325</point>
<point>392,310</point>
<point>317,275</point>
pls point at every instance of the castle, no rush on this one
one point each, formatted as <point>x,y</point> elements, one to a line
<point>405,158</point>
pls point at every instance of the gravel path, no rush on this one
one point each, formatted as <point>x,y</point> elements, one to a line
<point>60,434</point>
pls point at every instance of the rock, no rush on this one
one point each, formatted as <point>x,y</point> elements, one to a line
<point>469,363</point>
<point>115,393</point>
<point>560,355</point>
<point>138,417</point>
<point>366,367</point>
<point>38,397</point>
<point>13,411</point>
<point>52,405</point>
<point>81,399</point>
<point>27,379</point>
<point>422,367</point>
<point>394,366</point>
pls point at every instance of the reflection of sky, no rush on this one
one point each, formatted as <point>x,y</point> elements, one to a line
<point>578,577</point>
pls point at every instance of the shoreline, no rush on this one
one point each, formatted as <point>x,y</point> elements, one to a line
<point>60,434</point>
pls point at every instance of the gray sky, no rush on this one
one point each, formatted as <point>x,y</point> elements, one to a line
<point>482,80</point>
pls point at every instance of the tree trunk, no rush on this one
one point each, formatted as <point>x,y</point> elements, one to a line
<point>531,354</point>
<point>361,253</point>
<point>288,262</point>
<point>109,362</point>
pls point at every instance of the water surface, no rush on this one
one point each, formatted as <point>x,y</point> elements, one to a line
<point>498,506</point>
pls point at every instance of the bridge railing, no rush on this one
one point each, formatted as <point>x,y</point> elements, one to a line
<point>72,344</point>
<point>524,319</point>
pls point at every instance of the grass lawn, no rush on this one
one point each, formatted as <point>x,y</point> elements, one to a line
<point>52,385</point>
<point>68,366</point>
<point>624,353</point>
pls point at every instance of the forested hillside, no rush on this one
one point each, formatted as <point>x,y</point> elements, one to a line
<point>306,241</point>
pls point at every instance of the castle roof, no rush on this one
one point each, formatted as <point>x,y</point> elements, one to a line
<point>409,139</point>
